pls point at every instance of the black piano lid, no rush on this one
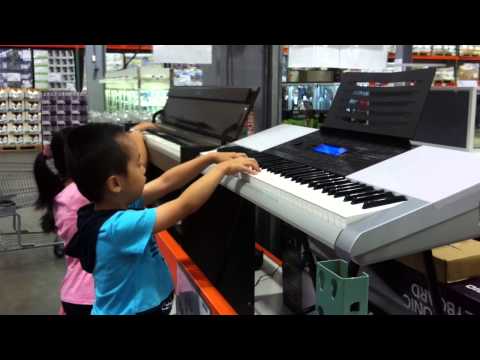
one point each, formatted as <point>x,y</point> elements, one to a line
<point>217,112</point>
<point>381,110</point>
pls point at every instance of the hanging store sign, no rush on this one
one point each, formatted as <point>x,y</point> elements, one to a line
<point>182,54</point>
<point>361,57</point>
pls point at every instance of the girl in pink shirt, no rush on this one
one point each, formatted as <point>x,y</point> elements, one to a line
<point>59,196</point>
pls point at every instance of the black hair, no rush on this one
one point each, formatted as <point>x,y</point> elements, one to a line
<point>94,154</point>
<point>49,184</point>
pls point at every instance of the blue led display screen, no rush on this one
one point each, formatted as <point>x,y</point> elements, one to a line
<point>329,150</point>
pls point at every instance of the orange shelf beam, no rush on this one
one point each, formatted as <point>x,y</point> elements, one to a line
<point>130,48</point>
<point>174,254</point>
<point>268,254</point>
<point>45,46</point>
<point>436,57</point>
<point>121,48</point>
<point>470,58</point>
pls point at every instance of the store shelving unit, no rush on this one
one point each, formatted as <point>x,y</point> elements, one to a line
<point>137,89</point>
<point>455,59</point>
<point>62,109</point>
<point>20,119</point>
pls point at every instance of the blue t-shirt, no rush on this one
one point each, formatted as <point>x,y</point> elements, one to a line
<point>130,274</point>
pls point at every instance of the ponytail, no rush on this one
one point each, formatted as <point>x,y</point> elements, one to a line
<point>49,185</point>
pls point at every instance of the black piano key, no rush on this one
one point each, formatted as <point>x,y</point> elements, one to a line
<point>280,170</point>
<point>347,185</point>
<point>363,190</point>
<point>282,165</point>
<point>269,158</point>
<point>362,199</point>
<point>235,149</point>
<point>311,182</point>
<point>262,155</point>
<point>292,177</point>
<point>335,185</point>
<point>310,178</point>
<point>275,162</point>
<point>272,164</point>
<point>314,173</point>
<point>258,158</point>
<point>267,164</point>
<point>386,201</point>
<point>306,172</point>
<point>366,193</point>
<point>299,167</point>
<point>289,168</point>
<point>302,180</point>
<point>324,180</point>
<point>344,192</point>
<point>276,171</point>
<point>294,171</point>
<point>320,172</point>
<point>285,163</point>
<point>323,177</point>
<point>326,183</point>
<point>347,188</point>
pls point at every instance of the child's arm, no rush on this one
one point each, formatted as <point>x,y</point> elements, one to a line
<point>200,191</point>
<point>180,175</point>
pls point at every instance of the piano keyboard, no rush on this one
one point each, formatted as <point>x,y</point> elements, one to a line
<point>345,199</point>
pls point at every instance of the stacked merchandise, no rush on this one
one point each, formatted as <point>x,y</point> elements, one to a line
<point>469,50</point>
<point>392,48</point>
<point>444,50</point>
<point>54,69</point>
<point>447,50</point>
<point>445,76</point>
<point>20,118</point>
<point>114,62</point>
<point>15,68</point>
<point>468,74</point>
<point>61,109</point>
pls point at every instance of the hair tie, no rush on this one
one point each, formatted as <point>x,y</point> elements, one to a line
<point>47,152</point>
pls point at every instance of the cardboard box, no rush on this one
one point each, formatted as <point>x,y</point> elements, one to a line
<point>468,71</point>
<point>454,262</point>
<point>318,76</point>
<point>460,298</point>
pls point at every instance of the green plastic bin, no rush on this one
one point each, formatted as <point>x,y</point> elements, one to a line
<point>338,294</point>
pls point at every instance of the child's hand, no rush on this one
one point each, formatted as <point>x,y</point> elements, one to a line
<point>218,157</point>
<point>144,125</point>
<point>240,164</point>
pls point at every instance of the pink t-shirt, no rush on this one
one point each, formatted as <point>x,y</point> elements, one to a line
<point>78,286</point>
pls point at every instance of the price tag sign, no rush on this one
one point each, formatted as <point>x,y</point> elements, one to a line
<point>13,77</point>
<point>54,77</point>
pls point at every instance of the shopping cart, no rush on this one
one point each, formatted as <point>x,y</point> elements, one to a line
<point>19,190</point>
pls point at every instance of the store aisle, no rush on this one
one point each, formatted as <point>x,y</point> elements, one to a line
<point>29,281</point>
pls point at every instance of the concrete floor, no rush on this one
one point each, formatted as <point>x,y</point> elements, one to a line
<point>29,279</point>
<point>30,282</point>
